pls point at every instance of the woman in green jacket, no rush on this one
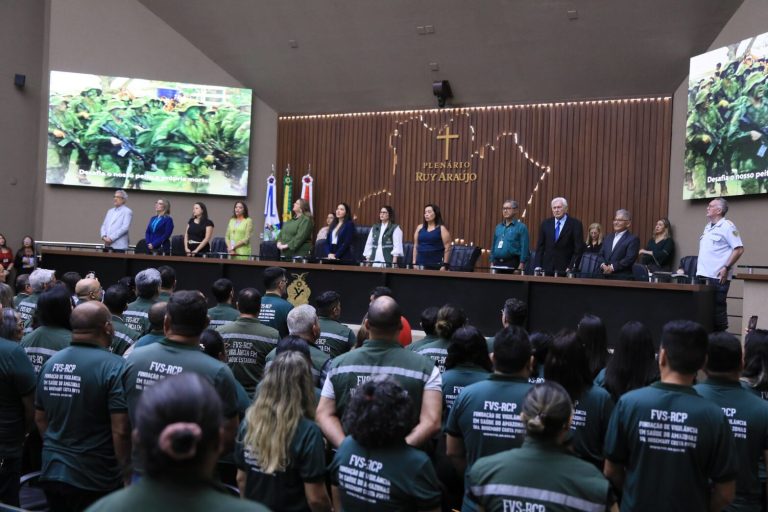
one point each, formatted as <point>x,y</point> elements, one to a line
<point>295,238</point>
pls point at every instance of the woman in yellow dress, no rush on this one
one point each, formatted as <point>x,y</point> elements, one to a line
<point>238,236</point>
<point>295,238</point>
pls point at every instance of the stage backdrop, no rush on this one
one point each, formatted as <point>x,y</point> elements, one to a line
<point>601,155</point>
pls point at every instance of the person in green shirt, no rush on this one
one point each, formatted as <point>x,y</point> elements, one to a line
<point>23,290</point>
<point>542,474</point>
<point>746,413</point>
<point>178,428</point>
<point>81,413</point>
<point>335,338</point>
<point>449,319</point>
<point>274,308</point>
<point>248,341</point>
<point>668,448</point>
<point>374,468</point>
<point>295,238</point>
<point>156,319</point>
<point>167,282</point>
<point>303,323</point>
<point>116,300</point>
<point>427,322</point>
<point>238,234</point>
<point>510,239</point>
<point>39,280</point>
<point>223,312</point>
<point>136,316</point>
<point>467,362</point>
<point>280,451</point>
<point>54,333</point>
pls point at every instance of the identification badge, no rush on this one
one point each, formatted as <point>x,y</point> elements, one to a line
<point>761,151</point>
<point>501,244</point>
<point>122,152</point>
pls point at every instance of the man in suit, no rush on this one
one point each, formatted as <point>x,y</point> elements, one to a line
<point>620,248</point>
<point>561,240</point>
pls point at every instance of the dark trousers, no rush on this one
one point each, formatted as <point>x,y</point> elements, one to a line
<point>512,262</point>
<point>720,322</point>
<point>66,498</point>
<point>10,473</point>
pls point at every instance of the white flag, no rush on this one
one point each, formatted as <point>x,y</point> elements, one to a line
<point>306,191</point>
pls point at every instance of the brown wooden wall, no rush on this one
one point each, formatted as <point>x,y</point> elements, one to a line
<point>600,155</point>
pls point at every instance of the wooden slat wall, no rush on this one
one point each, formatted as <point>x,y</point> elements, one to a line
<point>603,155</point>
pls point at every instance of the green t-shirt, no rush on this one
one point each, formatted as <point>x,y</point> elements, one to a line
<point>248,342</point>
<point>17,300</point>
<point>672,442</point>
<point>148,339</point>
<point>456,379</point>
<point>748,417</point>
<point>136,316</point>
<point>26,309</point>
<point>284,490</point>
<point>335,338</point>
<point>79,388</point>
<point>124,336</point>
<point>538,476</point>
<point>396,477</point>
<point>153,495</point>
<point>274,313</point>
<point>221,314</point>
<point>17,379</point>
<point>416,345</point>
<point>437,351</point>
<point>44,342</point>
<point>486,415</point>
<point>591,414</point>
<point>163,296</point>
<point>319,361</point>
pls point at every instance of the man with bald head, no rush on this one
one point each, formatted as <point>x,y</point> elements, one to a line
<point>382,354</point>
<point>82,413</point>
<point>88,289</point>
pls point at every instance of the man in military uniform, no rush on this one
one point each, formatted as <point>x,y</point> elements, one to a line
<point>703,132</point>
<point>382,354</point>
<point>111,137</point>
<point>223,312</point>
<point>749,132</point>
<point>335,337</point>
<point>147,287</point>
<point>746,412</point>
<point>274,308</point>
<point>248,341</point>
<point>62,139</point>
<point>668,425</point>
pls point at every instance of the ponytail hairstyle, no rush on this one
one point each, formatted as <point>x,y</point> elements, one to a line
<point>546,410</point>
<point>449,318</point>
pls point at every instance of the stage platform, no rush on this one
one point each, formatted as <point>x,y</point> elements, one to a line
<point>554,302</point>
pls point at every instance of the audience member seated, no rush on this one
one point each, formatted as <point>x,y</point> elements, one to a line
<point>178,426</point>
<point>147,288</point>
<point>380,415</point>
<point>633,362</point>
<point>54,332</point>
<point>295,238</point>
<point>159,229</point>
<point>26,257</point>
<point>199,232</point>
<point>449,319</point>
<point>567,365</point>
<point>280,452</point>
<point>274,308</point>
<point>542,474</point>
<point>335,338</point>
<point>660,249</point>
<point>224,311</point>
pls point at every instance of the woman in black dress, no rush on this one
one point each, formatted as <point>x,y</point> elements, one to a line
<point>197,237</point>
<point>660,249</point>
<point>594,240</point>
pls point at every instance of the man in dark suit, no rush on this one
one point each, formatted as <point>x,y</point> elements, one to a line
<point>561,240</point>
<point>620,248</point>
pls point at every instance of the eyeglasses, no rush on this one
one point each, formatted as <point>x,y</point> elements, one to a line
<point>620,220</point>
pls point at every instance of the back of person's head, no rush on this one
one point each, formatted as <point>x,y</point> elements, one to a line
<point>9,325</point>
<point>89,318</point>
<point>326,302</point>
<point>187,313</point>
<point>249,301</point>
<point>511,350</point>
<point>177,426</point>
<point>633,363</point>
<point>54,307</point>
<point>384,317</point>
<point>70,279</point>
<point>567,364</point>
<point>381,291</point>
<point>593,335</point>
<point>156,315</point>
<point>540,343</point>
<point>516,312</point>
<point>212,343</point>
<point>449,318</point>
<point>301,319</point>
<point>546,410</point>
<point>130,283</point>
<point>22,282</point>
<point>272,277</point>
<point>286,395</point>
<point>6,296</point>
<point>468,346</point>
<point>148,283</point>
<point>295,344</point>
<point>380,413</point>
<point>222,289</point>
<point>723,353</point>
<point>40,278</point>
<point>428,320</point>
<point>756,358</point>
<point>685,344</point>
<point>167,276</point>
<point>116,298</point>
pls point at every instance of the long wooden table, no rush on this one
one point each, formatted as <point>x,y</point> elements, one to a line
<point>554,302</point>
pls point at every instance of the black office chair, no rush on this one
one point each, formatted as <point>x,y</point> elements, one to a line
<point>177,245</point>
<point>321,249</point>
<point>590,265</point>
<point>463,258</point>
<point>407,258</point>
<point>218,248</point>
<point>358,244</point>
<point>141,247</point>
<point>268,251</point>
<point>529,266</point>
<point>689,264</point>
<point>640,272</point>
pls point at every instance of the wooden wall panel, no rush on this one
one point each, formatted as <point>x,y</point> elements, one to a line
<point>601,155</point>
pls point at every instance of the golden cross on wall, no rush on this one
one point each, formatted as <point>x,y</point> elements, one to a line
<point>447,138</point>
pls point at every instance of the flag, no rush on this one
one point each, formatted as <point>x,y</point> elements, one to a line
<point>307,185</point>
<point>287,195</point>
<point>271,219</point>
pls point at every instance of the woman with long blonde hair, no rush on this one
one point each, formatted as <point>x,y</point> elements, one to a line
<point>280,453</point>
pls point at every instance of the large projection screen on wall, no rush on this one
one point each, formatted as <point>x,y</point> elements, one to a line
<point>134,133</point>
<point>726,142</point>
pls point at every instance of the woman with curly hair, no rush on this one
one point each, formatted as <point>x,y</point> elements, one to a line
<point>374,468</point>
<point>280,453</point>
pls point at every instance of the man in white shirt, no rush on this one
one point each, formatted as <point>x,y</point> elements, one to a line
<point>117,223</point>
<point>720,247</point>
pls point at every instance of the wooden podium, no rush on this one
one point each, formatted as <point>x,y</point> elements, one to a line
<point>755,299</point>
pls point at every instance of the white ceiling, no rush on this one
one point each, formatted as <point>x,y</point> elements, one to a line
<point>361,55</point>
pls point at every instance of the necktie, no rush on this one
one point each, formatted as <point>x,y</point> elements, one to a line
<point>557,230</point>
